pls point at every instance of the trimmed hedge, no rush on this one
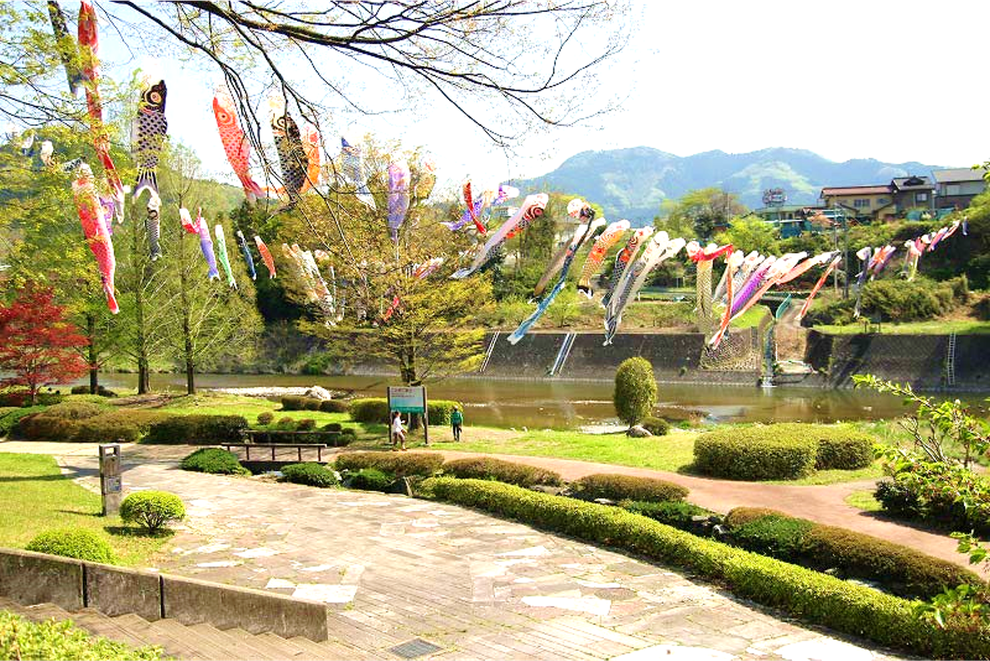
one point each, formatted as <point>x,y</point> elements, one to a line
<point>900,569</point>
<point>375,410</point>
<point>197,429</point>
<point>21,398</point>
<point>266,418</point>
<point>371,479</point>
<point>489,468</point>
<point>400,465</point>
<point>23,639</point>
<point>78,543</point>
<point>808,595</point>
<point>677,513</point>
<point>294,403</point>
<point>334,406</point>
<point>74,410</point>
<point>152,509</point>
<point>101,391</point>
<point>781,451</point>
<point>311,474</point>
<point>122,425</point>
<point>215,461</point>
<point>9,420</point>
<point>656,426</point>
<point>617,487</point>
<point>306,424</point>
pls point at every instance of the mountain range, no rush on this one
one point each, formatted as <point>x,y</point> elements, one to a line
<point>632,183</point>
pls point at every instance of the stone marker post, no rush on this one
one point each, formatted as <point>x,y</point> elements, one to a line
<point>110,487</point>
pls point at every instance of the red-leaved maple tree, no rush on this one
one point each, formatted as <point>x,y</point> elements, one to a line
<point>37,344</point>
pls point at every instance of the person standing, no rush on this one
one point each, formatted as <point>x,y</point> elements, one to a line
<point>398,433</point>
<point>456,423</point>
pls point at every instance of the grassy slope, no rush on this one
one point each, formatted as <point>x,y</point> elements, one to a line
<point>35,496</point>
<point>960,326</point>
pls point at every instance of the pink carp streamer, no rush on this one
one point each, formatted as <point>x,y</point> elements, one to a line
<point>88,57</point>
<point>836,258</point>
<point>206,246</point>
<point>602,245</point>
<point>94,227</point>
<point>266,256</point>
<point>532,208</point>
<point>398,197</point>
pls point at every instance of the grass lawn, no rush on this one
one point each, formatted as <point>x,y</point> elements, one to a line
<point>863,500</point>
<point>35,496</point>
<point>943,327</point>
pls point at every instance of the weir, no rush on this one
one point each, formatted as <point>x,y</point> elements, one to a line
<point>488,353</point>
<point>565,351</point>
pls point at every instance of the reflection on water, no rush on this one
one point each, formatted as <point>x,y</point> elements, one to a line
<point>569,404</point>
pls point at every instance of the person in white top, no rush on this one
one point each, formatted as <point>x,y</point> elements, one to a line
<point>398,433</point>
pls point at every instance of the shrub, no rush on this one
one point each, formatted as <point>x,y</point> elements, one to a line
<point>37,427</point>
<point>214,460</point>
<point>400,465</point>
<point>74,410</point>
<point>371,479</point>
<point>312,404</point>
<point>900,569</point>
<point>312,474</point>
<point>293,403</point>
<point>124,425</point>
<point>656,426</point>
<point>812,596</point>
<point>22,398</point>
<point>944,494</point>
<point>917,300</point>
<point>152,509</point>
<point>266,418</point>
<point>197,429</point>
<point>617,487</point>
<point>286,424</point>
<point>346,437</point>
<point>896,498</point>
<point>370,410</point>
<point>77,543</point>
<point>100,391</point>
<point>676,513</point>
<point>753,453</point>
<point>306,424</point>
<point>841,447</point>
<point>635,392</point>
<point>488,468</point>
<point>334,406</point>
<point>22,639</point>
<point>333,426</point>
<point>440,410</point>
<point>9,420</point>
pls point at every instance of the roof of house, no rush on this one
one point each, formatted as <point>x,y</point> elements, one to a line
<point>878,189</point>
<point>911,183</point>
<point>956,175</point>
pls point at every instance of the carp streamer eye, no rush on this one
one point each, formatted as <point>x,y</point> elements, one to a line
<point>156,98</point>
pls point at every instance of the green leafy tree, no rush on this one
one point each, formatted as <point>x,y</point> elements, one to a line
<point>748,233</point>
<point>698,212</point>
<point>635,392</point>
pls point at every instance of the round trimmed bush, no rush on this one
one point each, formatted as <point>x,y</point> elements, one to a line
<point>312,404</point>
<point>656,426</point>
<point>152,509</point>
<point>370,479</point>
<point>425,464</point>
<point>293,403</point>
<point>373,409</point>
<point>489,468</point>
<point>334,406</point>
<point>266,418</point>
<point>333,426</point>
<point>753,454</point>
<point>306,424</point>
<point>74,410</point>
<point>286,424</point>
<point>215,461</point>
<point>311,474</point>
<point>635,392</point>
<point>77,543</point>
<point>617,487</point>
<point>841,447</point>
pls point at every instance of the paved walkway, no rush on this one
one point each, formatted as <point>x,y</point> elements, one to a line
<point>394,569</point>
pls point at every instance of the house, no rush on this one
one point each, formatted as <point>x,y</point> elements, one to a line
<point>881,201</point>
<point>790,219</point>
<point>957,187</point>
<point>861,202</point>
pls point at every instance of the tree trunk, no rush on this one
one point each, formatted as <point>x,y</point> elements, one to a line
<point>94,373</point>
<point>187,342</point>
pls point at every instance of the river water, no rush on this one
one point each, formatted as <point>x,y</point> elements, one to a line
<point>572,404</point>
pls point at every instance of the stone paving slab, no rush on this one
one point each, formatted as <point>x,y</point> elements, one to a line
<point>392,569</point>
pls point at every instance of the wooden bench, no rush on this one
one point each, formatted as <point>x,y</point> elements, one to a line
<point>299,447</point>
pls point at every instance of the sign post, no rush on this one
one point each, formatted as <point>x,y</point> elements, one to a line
<point>410,399</point>
<point>110,486</point>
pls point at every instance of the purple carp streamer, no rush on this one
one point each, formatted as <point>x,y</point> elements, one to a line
<point>248,258</point>
<point>222,254</point>
<point>398,197</point>
<point>532,208</point>
<point>596,257</point>
<point>354,173</point>
<point>206,245</point>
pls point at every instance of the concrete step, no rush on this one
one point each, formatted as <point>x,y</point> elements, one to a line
<point>202,641</point>
<point>42,612</point>
<point>176,647</point>
<point>243,645</point>
<point>100,625</point>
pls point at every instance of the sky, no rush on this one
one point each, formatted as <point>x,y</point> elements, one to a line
<point>894,81</point>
